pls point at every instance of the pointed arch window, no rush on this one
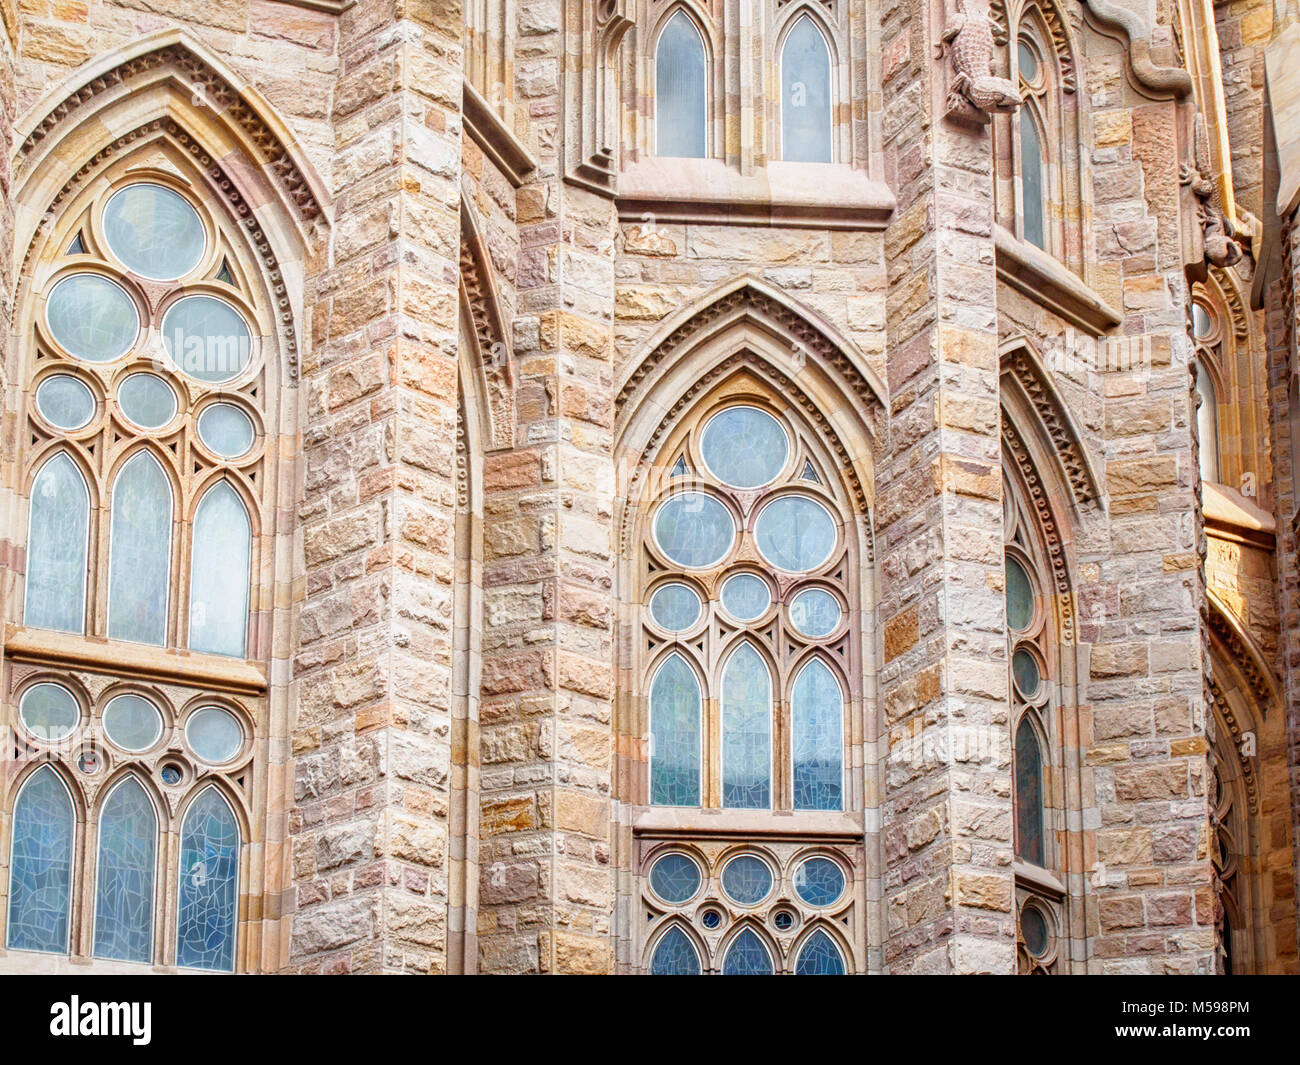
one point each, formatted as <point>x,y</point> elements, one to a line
<point>219,573</point>
<point>748,956</point>
<point>1029,794</point>
<point>128,854</point>
<point>1034,79</point>
<point>819,956</point>
<point>746,731</point>
<point>675,955</point>
<point>139,566</point>
<point>817,714</point>
<point>806,108</point>
<point>681,89</point>
<point>58,534</point>
<point>40,864</point>
<point>675,734</point>
<point>208,900</point>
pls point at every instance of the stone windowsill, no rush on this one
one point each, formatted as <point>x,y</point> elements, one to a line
<point>822,195</point>
<point>1047,281</point>
<point>1034,876</point>
<point>682,822</point>
<point>1229,515</point>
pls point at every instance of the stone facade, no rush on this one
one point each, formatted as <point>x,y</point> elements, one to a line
<point>494,322</point>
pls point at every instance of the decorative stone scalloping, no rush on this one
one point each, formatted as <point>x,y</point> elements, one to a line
<point>1046,523</point>
<point>1249,777</point>
<point>1244,658</point>
<point>811,340</point>
<point>788,389</point>
<point>1066,444</point>
<point>479,294</point>
<point>1231,297</point>
<point>1055,26</point>
<point>238,205</point>
<point>213,91</point>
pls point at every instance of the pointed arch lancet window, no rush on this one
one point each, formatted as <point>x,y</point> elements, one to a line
<point>747,956</point>
<point>58,531</point>
<point>1207,423</point>
<point>40,866</point>
<point>746,731</point>
<point>817,715</point>
<point>208,902</point>
<point>1031,173</point>
<point>675,955</point>
<point>819,956</point>
<point>124,893</point>
<point>140,552</point>
<point>681,89</point>
<point>219,573</point>
<point>806,95</point>
<point>1029,794</point>
<point>675,735</point>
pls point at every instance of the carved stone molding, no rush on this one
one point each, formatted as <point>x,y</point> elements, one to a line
<point>1236,731</point>
<point>591,92</point>
<point>1056,28</point>
<point>1244,658</point>
<point>1233,303</point>
<point>1042,509</point>
<point>1021,365</point>
<point>479,295</point>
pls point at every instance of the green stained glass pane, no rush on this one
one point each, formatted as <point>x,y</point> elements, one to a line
<point>1020,596</point>
<point>132,722</point>
<point>147,400</point>
<point>1025,669</point>
<point>1033,928</point>
<point>49,712</point>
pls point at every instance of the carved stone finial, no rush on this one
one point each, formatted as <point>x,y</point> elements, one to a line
<point>974,93</point>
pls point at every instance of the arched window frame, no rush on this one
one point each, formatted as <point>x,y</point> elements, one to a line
<point>141,454</point>
<point>246,499</point>
<point>109,790</point>
<point>697,23</point>
<point>790,20</point>
<point>1037,105</point>
<point>75,846</point>
<point>39,465</point>
<point>242,839</point>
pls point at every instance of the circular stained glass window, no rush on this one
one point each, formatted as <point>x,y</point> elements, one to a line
<point>815,612</point>
<point>65,402</point>
<point>745,596</point>
<point>132,722</point>
<point>171,775</point>
<point>49,712</point>
<point>154,231</point>
<point>694,529</point>
<point>744,447</point>
<point>92,317</point>
<point>214,734</point>
<point>747,880</point>
<point>819,882</point>
<point>147,400</point>
<point>711,919</point>
<point>675,878</point>
<point>1033,927</point>
<point>207,338</point>
<point>675,607</point>
<point>226,430</point>
<point>1027,60</point>
<point>784,920</point>
<point>1025,669</point>
<point>795,533</point>
<point>1020,596</point>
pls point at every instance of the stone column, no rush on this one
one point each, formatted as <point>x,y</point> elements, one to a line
<point>546,892</point>
<point>946,811</point>
<point>373,666</point>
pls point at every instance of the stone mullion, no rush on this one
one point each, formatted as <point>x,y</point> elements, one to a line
<point>946,812</point>
<point>372,737</point>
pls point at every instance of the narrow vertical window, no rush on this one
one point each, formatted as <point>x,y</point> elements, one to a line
<point>124,892</point>
<point>806,95</point>
<point>1029,795</point>
<point>219,573</point>
<point>681,94</point>
<point>208,900</point>
<point>746,731</point>
<point>57,533</point>
<point>1207,423</point>
<point>675,708</point>
<point>140,552</point>
<point>818,744</point>
<point>1031,173</point>
<point>40,866</point>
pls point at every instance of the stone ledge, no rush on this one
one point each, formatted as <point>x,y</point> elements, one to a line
<point>680,822</point>
<point>486,129</point>
<point>1229,515</point>
<point>810,195</point>
<point>1035,877</point>
<point>1046,281</point>
<point>134,661</point>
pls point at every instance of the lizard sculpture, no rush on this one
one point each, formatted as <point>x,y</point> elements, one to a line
<point>968,39</point>
<point>1221,248</point>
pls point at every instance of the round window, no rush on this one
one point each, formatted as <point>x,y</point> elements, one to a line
<point>92,317</point>
<point>49,712</point>
<point>133,723</point>
<point>214,734</point>
<point>694,529</point>
<point>65,402</point>
<point>154,231</point>
<point>207,338</point>
<point>795,533</point>
<point>747,879</point>
<point>675,878</point>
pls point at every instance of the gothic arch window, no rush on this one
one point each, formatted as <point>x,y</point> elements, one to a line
<point>1032,74</point>
<point>681,88</point>
<point>675,954</point>
<point>807,100</point>
<point>126,869</point>
<point>208,898</point>
<point>1209,337</point>
<point>219,572</point>
<point>58,534</point>
<point>40,864</point>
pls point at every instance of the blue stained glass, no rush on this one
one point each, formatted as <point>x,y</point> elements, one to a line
<point>795,533</point>
<point>817,719</point>
<point>139,566</point>
<point>747,956</point>
<point>209,874</point>
<point>819,956</point>
<point>746,731</point>
<point>694,529</point>
<point>744,447</point>
<point>675,607</point>
<point>128,846</point>
<point>675,955</point>
<point>675,878</point>
<point>40,870</point>
<point>56,548</point>
<point>746,597</point>
<point>675,735</point>
<point>819,882</point>
<point>747,880</point>
<point>815,612</point>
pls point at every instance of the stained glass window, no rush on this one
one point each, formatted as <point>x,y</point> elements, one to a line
<point>819,882</point>
<point>139,571</point>
<point>675,607</point>
<point>694,529</point>
<point>124,896</point>
<point>817,715</point>
<point>92,317</point>
<point>795,533</point>
<point>209,872</point>
<point>40,868</point>
<point>58,531</point>
<point>815,613</point>
<point>806,95</point>
<point>819,956</point>
<point>681,94</point>
<point>154,231</point>
<point>675,955</point>
<point>1031,163</point>
<point>744,447</point>
<point>675,878</point>
<point>746,597</point>
<point>219,573</point>
<point>746,731</point>
<point>1207,423</point>
<point>65,402</point>
<point>747,880</point>
<point>675,735</point>
<point>1029,794</point>
<point>1020,596</point>
<point>747,956</point>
